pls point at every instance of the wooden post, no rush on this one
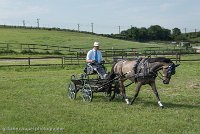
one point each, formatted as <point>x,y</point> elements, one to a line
<point>176,58</point>
<point>78,60</point>
<point>63,59</point>
<point>106,55</point>
<point>77,56</point>
<point>29,62</point>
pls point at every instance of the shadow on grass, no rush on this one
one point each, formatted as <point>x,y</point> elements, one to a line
<point>172,105</point>
<point>139,101</point>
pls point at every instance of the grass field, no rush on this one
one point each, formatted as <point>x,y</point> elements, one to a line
<point>34,100</point>
<point>37,98</point>
<point>62,38</point>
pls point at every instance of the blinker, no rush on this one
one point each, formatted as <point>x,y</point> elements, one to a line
<point>171,69</point>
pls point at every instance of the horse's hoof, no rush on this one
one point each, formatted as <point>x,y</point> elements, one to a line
<point>161,107</point>
<point>127,102</point>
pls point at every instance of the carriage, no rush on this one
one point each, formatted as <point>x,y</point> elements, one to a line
<point>141,71</point>
<point>87,85</point>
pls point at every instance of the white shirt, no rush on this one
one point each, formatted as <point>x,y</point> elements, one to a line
<point>91,55</point>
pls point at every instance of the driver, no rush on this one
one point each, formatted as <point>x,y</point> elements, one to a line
<point>94,59</point>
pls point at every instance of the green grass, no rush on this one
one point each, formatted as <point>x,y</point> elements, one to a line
<point>64,38</point>
<point>37,97</point>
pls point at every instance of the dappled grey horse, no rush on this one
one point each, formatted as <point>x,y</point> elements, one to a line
<point>142,71</point>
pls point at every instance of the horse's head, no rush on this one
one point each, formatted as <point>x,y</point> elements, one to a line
<point>168,71</point>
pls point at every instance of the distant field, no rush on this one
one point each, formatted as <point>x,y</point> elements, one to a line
<point>63,38</point>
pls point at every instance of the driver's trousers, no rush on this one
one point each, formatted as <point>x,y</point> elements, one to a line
<point>97,68</point>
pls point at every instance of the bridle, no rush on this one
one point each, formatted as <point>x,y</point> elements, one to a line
<point>170,71</point>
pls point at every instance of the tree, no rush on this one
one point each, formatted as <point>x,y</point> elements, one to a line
<point>143,34</point>
<point>165,34</point>
<point>155,32</point>
<point>176,32</point>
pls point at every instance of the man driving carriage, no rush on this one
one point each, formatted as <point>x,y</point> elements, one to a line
<point>95,61</point>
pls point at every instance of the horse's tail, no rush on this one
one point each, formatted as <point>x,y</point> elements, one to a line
<point>111,77</point>
<point>112,74</point>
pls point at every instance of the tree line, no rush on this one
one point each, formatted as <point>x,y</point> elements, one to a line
<point>155,32</point>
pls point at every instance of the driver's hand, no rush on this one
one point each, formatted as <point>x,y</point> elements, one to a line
<point>93,61</point>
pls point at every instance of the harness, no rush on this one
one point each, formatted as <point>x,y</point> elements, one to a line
<point>142,69</point>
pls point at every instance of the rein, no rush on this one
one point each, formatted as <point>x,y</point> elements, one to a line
<point>158,75</point>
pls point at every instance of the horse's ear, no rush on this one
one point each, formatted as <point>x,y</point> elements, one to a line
<point>177,65</point>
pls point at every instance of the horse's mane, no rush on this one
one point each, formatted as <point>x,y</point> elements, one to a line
<point>159,59</point>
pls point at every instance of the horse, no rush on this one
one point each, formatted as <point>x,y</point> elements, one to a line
<point>141,71</point>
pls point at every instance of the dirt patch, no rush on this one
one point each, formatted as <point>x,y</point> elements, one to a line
<point>197,49</point>
<point>194,85</point>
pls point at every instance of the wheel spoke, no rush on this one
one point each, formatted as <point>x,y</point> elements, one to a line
<point>72,90</point>
<point>87,93</point>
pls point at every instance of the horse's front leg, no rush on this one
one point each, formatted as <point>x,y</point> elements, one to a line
<point>122,88</point>
<point>136,92</point>
<point>153,86</point>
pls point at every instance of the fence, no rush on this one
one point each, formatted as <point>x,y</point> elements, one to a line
<point>41,61</point>
<point>42,48</point>
<point>71,60</point>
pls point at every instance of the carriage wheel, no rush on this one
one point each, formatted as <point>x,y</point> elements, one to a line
<point>72,90</point>
<point>87,93</point>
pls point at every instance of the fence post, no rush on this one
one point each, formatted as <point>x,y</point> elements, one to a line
<point>7,46</point>
<point>63,59</point>
<point>78,60</point>
<point>29,62</point>
<point>106,55</point>
<point>77,57</point>
<point>176,58</point>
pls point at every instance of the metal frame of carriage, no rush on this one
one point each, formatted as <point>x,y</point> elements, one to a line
<point>87,86</point>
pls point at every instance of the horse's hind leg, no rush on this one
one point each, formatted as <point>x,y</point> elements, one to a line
<point>122,89</point>
<point>136,92</point>
<point>153,86</point>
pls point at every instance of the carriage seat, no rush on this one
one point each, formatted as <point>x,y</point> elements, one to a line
<point>89,69</point>
<point>95,68</point>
